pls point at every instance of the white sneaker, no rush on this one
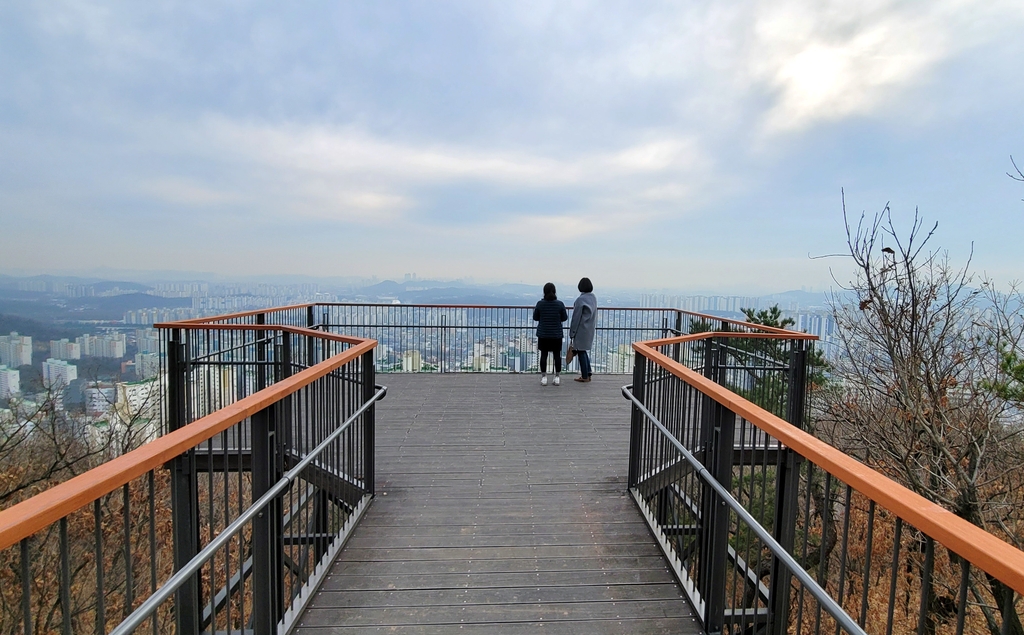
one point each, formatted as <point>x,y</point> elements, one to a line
<point>543,380</point>
<point>555,382</point>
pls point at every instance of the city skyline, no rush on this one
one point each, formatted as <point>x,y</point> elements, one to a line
<point>699,147</point>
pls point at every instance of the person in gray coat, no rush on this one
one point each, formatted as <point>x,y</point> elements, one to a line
<point>582,326</point>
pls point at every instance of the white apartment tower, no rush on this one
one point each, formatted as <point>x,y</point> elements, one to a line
<point>57,373</point>
<point>10,382</point>
<point>112,345</point>
<point>15,350</point>
<point>147,365</point>
<point>65,349</point>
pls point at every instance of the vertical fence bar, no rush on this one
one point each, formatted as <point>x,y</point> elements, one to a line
<point>263,534</point>
<point>184,491</point>
<point>65,577</point>
<point>369,422</point>
<point>636,419</point>
<point>26,587</point>
<point>718,424</point>
<point>678,332</point>
<point>797,397</point>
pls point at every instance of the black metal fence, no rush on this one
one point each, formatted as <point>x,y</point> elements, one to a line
<point>772,531</point>
<point>267,463</point>
<point>446,339</point>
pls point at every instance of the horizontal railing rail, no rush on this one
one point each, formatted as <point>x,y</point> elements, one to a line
<point>263,420</point>
<point>708,440</point>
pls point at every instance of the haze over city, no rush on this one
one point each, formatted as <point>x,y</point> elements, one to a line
<point>698,147</point>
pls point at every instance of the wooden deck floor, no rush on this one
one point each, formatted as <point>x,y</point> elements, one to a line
<point>500,504</point>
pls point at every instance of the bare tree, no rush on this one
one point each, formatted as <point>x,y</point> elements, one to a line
<point>919,350</point>
<point>40,445</point>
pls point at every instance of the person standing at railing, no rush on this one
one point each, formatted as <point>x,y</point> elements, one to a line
<point>583,326</point>
<point>549,315</point>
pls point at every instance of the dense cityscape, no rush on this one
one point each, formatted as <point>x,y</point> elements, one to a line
<point>89,347</point>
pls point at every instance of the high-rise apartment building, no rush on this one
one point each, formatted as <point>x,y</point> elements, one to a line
<point>15,350</point>
<point>99,399</point>
<point>147,340</point>
<point>700,303</point>
<point>110,345</point>
<point>57,373</point>
<point>10,382</point>
<point>65,349</point>
<point>147,365</point>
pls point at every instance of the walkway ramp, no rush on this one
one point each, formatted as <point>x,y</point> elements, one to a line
<point>501,504</point>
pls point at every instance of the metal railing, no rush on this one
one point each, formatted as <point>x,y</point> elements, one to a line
<point>470,338</point>
<point>771,530</point>
<point>230,519</point>
<point>451,338</point>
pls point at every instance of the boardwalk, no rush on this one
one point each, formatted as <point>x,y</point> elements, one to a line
<point>500,506</point>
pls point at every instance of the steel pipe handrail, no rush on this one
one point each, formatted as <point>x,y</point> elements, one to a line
<point>153,602</point>
<point>986,551</point>
<point>823,598</point>
<point>27,517</point>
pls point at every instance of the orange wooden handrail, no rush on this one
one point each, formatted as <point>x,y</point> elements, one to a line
<point>986,551</point>
<point>778,334</point>
<point>230,316</point>
<point>26,518</point>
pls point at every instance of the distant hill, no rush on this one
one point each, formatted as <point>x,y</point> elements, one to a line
<point>114,307</point>
<point>123,286</point>
<point>45,308</point>
<point>38,331</point>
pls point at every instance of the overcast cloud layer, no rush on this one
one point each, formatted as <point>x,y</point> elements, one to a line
<point>698,146</point>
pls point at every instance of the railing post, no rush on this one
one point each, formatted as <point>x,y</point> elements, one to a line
<point>797,397</point>
<point>369,422</point>
<point>787,484</point>
<point>718,423</point>
<point>679,331</point>
<point>266,530</point>
<point>284,366</point>
<point>787,488</point>
<point>636,419</point>
<point>444,321</point>
<point>310,342</point>
<point>184,489</point>
<point>266,571</point>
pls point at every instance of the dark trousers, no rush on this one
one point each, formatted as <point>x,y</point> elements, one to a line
<point>584,358</point>
<point>550,345</point>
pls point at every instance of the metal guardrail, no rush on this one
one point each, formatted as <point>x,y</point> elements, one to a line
<point>469,338</point>
<point>451,338</point>
<point>747,507</point>
<point>266,461</point>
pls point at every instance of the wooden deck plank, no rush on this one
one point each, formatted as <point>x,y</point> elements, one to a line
<point>496,580</point>
<point>501,504</point>
<point>647,626</point>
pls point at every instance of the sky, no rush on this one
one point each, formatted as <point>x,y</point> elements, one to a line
<point>697,146</point>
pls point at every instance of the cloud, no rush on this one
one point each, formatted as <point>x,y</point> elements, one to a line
<point>344,173</point>
<point>826,61</point>
<point>182,191</point>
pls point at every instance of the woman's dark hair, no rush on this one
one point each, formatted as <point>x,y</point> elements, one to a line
<point>585,285</point>
<point>549,292</point>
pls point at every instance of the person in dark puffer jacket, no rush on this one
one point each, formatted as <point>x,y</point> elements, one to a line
<point>549,315</point>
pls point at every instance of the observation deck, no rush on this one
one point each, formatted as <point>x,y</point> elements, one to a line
<point>336,468</point>
<point>501,504</point>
